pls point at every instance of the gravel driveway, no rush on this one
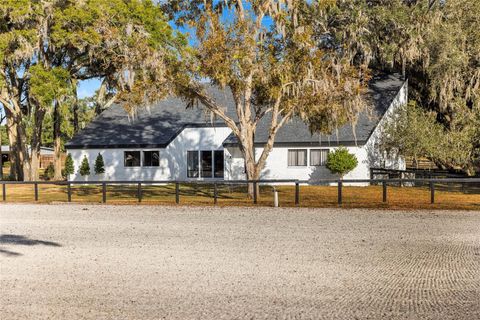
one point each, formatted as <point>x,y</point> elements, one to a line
<point>141,262</point>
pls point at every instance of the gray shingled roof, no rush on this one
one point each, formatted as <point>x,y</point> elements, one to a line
<point>158,125</point>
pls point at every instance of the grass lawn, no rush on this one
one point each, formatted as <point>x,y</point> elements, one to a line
<point>228,195</point>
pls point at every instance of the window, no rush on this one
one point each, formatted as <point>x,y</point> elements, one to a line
<point>297,158</point>
<point>192,164</point>
<point>132,158</point>
<point>151,158</point>
<point>218,164</point>
<point>206,164</point>
<point>318,157</point>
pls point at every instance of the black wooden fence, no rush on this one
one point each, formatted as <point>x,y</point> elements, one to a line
<point>432,183</point>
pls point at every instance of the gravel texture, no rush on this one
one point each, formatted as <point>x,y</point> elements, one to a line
<point>141,262</point>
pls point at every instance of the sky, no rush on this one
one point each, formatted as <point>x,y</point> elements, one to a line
<point>87,88</point>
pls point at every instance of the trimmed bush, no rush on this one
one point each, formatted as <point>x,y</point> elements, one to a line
<point>84,167</point>
<point>69,169</point>
<point>99,165</point>
<point>341,162</point>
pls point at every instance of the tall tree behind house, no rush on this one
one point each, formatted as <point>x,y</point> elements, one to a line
<point>125,43</point>
<point>265,53</point>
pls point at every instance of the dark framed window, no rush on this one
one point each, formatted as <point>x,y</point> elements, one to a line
<point>151,158</point>
<point>318,157</point>
<point>131,158</point>
<point>297,157</point>
<point>192,164</point>
<point>206,163</point>
<point>218,164</point>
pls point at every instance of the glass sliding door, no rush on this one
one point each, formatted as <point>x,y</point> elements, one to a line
<point>206,164</point>
<point>218,164</point>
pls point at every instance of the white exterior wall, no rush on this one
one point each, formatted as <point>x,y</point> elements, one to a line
<point>368,156</point>
<point>173,158</point>
<point>276,166</point>
<point>376,159</point>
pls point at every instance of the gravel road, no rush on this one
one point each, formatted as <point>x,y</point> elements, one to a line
<point>150,262</point>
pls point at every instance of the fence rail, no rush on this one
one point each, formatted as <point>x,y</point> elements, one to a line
<point>432,183</point>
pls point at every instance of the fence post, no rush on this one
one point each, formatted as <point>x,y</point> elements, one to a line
<point>177,193</point>
<point>4,192</point>
<point>104,192</point>
<point>340,185</point>
<point>384,191</point>
<point>139,192</point>
<point>255,192</point>
<point>297,193</point>
<point>432,192</point>
<point>215,193</point>
<point>36,191</point>
<point>69,192</point>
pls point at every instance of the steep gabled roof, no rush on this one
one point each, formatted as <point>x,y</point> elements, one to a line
<point>153,127</point>
<point>382,91</point>
<point>158,125</point>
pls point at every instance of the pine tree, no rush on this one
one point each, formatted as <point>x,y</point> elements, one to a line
<point>99,165</point>
<point>84,167</point>
<point>69,169</point>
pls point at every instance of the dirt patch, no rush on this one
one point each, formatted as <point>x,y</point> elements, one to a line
<point>151,262</point>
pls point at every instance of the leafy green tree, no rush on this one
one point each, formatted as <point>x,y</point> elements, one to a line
<point>266,55</point>
<point>69,167</point>
<point>84,169</point>
<point>415,133</point>
<point>99,165</point>
<point>2,138</point>
<point>341,161</point>
<point>436,45</point>
<point>47,47</point>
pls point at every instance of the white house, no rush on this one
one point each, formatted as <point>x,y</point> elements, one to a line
<point>169,142</point>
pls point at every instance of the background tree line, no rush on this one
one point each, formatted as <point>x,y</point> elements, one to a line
<point>279,58</point>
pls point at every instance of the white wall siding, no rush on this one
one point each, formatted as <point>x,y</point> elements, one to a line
<point>368,156</point>
<point>172,159</point>
<point>376,158</point>
<point>276,166</point>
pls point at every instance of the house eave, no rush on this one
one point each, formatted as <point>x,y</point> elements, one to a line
<point>115,146</point>
<point>305,144</point>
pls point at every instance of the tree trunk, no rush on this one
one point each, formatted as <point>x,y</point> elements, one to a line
<point>1,155</point>
<point>18,149</point>
<point>36,144</point>
<point>76,125</point>
<point>57,147</point>
<point>23,152</point>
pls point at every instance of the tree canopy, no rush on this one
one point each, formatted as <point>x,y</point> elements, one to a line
<point>46,47</point>
<point>279,58</point>
<point>267,55</point>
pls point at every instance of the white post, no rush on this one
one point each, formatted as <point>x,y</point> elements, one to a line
<point>275,197</point>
